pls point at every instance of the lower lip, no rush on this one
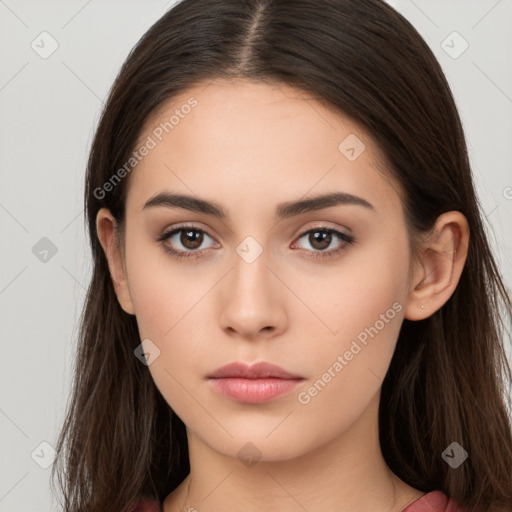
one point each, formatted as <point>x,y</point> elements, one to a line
<point>254,391</point>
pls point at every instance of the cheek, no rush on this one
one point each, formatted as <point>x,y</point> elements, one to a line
<point>363,306</point>
<point>161,291</point>
<point>173,307</point>
<point>346,369</point>
<point>365,284</point>
<point>170,306</point>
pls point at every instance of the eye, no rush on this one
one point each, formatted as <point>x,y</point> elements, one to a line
<point>189,237</point>
<point>322,237</point>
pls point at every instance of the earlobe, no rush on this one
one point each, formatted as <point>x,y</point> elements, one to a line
<point>440,266</point>
<point>105,228</point>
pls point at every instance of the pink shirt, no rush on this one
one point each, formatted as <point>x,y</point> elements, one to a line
<point>435,501</point>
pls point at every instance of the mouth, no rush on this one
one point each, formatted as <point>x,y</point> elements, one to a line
<point>254,384</point>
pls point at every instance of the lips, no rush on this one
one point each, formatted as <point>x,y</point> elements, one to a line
<point>262,382</point>
<point>262,370</point>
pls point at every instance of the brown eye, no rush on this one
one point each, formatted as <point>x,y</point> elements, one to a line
<point>184,241</point>
<point>191,238</point>
<point>321,238</point>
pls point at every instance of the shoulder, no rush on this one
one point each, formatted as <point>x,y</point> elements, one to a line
<point>145,506</point>
<point>435,501</point>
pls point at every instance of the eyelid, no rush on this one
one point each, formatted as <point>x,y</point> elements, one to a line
<point>298,234</point>
<point>319,224</point>
<point>345,239</point>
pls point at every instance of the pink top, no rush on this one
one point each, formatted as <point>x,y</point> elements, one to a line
<point>435,501</point>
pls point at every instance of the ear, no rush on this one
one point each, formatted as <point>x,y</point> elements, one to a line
<point>106,228</point>
<point>439,266</point>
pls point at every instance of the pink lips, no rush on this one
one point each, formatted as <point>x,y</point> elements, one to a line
<point>254,384</point>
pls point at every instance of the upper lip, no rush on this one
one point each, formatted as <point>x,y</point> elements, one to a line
<point>260,370</point>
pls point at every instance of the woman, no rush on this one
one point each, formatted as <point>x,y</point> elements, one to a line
<point>293,303</point>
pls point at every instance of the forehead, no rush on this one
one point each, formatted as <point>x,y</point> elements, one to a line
<point>243,142</point>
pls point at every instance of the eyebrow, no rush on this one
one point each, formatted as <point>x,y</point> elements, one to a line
<point>283,210</point>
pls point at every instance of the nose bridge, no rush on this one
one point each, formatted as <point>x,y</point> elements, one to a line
<point>250,300</point>
<point>250,273</point>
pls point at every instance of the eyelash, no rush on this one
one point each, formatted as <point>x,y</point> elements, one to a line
<point>347,239</point>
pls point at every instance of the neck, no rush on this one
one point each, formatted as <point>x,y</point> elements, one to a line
<point>348,473</point>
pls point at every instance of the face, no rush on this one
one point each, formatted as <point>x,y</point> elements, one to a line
<point>318,289</point>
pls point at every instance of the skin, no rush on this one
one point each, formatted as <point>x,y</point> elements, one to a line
<point>250,146</point>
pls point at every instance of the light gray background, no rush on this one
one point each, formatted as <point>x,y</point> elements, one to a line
<point>49,109</point>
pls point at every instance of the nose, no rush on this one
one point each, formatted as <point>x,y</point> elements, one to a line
<point>252,300</point>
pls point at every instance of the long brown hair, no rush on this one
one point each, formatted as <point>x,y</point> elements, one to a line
<point>448,379</point>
